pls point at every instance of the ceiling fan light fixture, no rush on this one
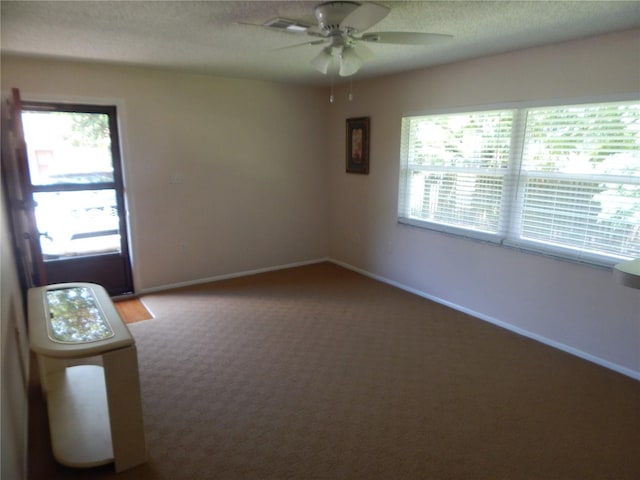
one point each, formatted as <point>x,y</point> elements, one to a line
<point>350,62</point>
<point>322,61</point>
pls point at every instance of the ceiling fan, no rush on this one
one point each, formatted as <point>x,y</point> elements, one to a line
<point>341,27</point>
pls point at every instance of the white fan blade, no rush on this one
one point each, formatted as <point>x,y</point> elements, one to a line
<point>363,51</point>
<point>268,27</point>
<point>364,17</point>
<point>312,31</point>
<point>404,38</point>
<point>315,32</point>
<point>312,42</point>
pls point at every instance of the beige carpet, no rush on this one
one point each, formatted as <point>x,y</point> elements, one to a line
<point>320,373</point>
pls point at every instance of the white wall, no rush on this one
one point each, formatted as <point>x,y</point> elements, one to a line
<point>250,154</point>
<point>575,307</point>
<point>264,183</point>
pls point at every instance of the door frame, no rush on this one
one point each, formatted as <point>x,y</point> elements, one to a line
<point>17,197</point>
<point>55,269</point>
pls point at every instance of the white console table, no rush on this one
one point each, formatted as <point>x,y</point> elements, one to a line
<point>95,412</point>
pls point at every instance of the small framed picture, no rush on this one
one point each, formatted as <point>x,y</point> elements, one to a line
<point>358,145</point>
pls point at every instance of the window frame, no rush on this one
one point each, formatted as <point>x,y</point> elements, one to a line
<point>116,184</point>
<point>508,234</point>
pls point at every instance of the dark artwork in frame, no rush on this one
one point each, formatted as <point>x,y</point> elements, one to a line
<point>358,145</point>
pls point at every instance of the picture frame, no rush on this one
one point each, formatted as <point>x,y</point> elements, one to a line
<point>358,145</point>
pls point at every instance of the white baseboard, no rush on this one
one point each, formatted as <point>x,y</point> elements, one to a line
<point>520,331</point>
<point>218,278</point>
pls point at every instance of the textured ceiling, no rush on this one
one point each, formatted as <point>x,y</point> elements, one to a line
<point>206,36</point>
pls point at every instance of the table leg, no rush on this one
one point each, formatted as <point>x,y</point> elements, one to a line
<point>125,407</point>
<point>46,367</point>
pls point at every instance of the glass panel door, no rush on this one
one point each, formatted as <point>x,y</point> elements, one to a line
<point>76,183</point>
<point>77,223</point>
<point>68,148</point>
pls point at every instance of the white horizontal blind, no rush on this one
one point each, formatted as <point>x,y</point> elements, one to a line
<point>563,180</point>
<point>580,179</point>
<point>454,169</point>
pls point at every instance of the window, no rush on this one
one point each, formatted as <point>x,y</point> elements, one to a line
<point>560,180</point>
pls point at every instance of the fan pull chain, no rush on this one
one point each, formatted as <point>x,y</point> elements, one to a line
<point>331,97</point>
